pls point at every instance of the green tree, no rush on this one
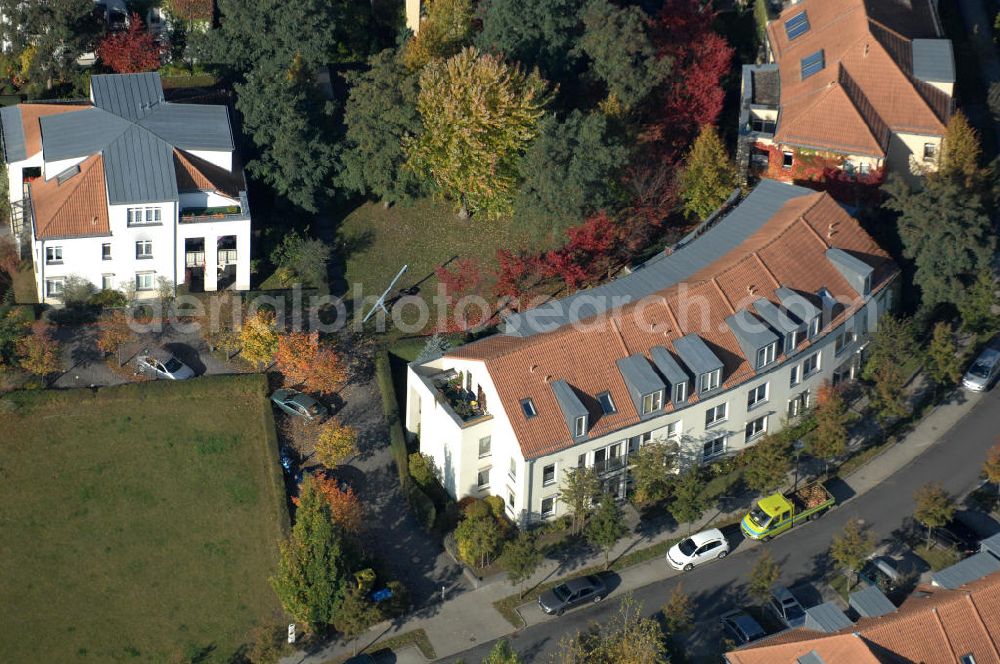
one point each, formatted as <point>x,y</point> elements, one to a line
<point>689,500</point>
<point>851,548</point>
<point>579,490</point>
<point>283,114</point>
<point>478,115</point>
<point>991,467</point>
<point>894,342</point>
<point>763,576</point>
<point>934,507</point>
<point>942,356</point>
<point>357,612</point>
<point>311,570</point>
<point>301,259</point>
<point>521,558</point>
<point>605,527</point>
<point>536,33</point>
<point>678,612</point>
<point>568,172</point>
<point>976,307</point>
<point>626,639</point>
<point>653,470</point>
<point>478,540</point>
<point>888,397</point>
<point>768,464</point>
<point>829,439</point>
<point>946,231</point>
<point>709,175</point>
<point>502,653</point>
<point>960,152</point>
<point>622,55</point>
<point>444,31</point>
<point>381,110</point>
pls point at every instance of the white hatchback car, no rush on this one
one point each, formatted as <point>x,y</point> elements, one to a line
<point>697,549</point>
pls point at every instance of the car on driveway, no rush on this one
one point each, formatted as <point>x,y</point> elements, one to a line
<point>572,593</point>
<point>161,364</point>
<point>741,627</point>
<point>881,572</point>
<point>786,608</point>
<point>957,536</point>
<point>697,549</point>
<point>983,372</point>
<point>299,404</point>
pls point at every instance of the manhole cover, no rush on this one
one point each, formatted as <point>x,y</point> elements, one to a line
<point>415,560</point>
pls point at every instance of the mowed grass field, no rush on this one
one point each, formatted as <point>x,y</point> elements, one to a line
<point>138,523</point>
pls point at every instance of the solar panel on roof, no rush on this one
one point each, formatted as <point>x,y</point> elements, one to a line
<point>797,26</point>
<point>812,64</point>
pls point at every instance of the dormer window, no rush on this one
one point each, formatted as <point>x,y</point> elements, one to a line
<point>607,403</point>
<point>867,287</point>
<point>814,326</point>
<point>528,406</point>
<point>580,429</point>
<point>766,355</point>
<point>793,339</point>
<point>680,392</point>
<point>710,380</point>
<point>652,402</point>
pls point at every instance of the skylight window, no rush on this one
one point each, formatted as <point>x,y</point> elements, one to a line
<point>528,406</point>
<point>812,64</point>
<point>607,404</point>
<point>68,173</point>
<point>797,26</point>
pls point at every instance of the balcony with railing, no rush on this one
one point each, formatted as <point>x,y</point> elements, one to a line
<point>194,215</point>
<point>465,407</point>
<point>612,465</point>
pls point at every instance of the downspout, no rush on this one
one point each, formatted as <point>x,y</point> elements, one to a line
<point>177,219</point>
<point>41,271</point>
<point>527,497</point>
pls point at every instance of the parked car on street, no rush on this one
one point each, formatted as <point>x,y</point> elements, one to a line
<point>881,572</point>
<point>957,536</point>
<point>572,593</point>
<point>741,627</point>
<point>162,365</point>
<point>299,404</point>
<point>983,372</point>
<point>697,549</point>
<point>786,608</point>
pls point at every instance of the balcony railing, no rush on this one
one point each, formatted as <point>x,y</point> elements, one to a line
<point>462,402</point>
<point>202,215</point>
<point>611,465</point>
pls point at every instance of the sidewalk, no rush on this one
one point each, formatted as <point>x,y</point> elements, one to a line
<point>469,618</point>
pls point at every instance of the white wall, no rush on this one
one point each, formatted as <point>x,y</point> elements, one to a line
<point>54,168</point>
<point>211,231</point>
<point>223,159</point>
<point>205,199</point>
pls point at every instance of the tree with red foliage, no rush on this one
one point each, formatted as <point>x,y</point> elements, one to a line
<point>304,361</point>
<point>588,254</point>
<point>458,285</point>
<point>132,51</point>
<point>518,274</point>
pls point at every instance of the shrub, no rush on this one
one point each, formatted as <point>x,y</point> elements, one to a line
<point>422,469</point>
<point>497,507</point>
<point>107,298</point>
<point>477,509</point>
<point>299,258</point>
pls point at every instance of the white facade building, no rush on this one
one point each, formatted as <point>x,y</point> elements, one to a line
<point>727,338</point>
<point>128,190</point>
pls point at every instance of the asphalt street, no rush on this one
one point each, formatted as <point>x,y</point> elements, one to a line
<point>715,588</point>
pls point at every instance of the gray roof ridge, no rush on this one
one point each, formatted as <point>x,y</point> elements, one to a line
<point>165,106</point>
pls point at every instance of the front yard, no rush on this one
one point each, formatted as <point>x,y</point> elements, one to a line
<point>139,521</point>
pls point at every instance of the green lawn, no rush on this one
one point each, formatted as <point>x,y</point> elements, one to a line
<point>140,523</point>
<point>376,242</point>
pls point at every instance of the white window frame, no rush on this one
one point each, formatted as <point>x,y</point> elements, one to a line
<point>489,447</point>
<point>867,287</point>
<point>674,430</point>
<point>106,255</point>
<point>715,417</point>
<point>814,325</point>
<point>815,356</point>
<point>790,156</point>
<point>551,481</point>
<point>798,404</point>
<point>512,469</point>
<point>54,255</point>
<point>143,216</point>
<point>930,155</point>
<point>107,282</point>
<point>681,392</point>
<point>714,379</point>
<point>757,396</point>
<point>611,409</point>
<point>758,432</point>
<point>795,375</point>
<point>479,476</point>
<point>580,426</point>
<point>724,438</point>
<point>139,276</point>
<point>552,509</point>
<point>844,340</point>
<point>59,283</point>
<point>140,250</point>
<point>654,401</point>
<point>528,408</point>
<point>767,354</point>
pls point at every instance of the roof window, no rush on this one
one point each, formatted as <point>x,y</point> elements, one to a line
<point>528,406</point>
<point>813,64</point>
<point>68,173</point>
<point>797,26</point>
<point>607,403</point>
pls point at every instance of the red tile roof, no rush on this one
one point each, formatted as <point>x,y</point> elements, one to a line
<point>30,116</point>
<point>935,626</point>
<point>77,207</point>
<point>194,174</point>
<point>789,250</point>
<point>866,87</point>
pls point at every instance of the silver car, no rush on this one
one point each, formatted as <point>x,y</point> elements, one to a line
<point>983,372</point>
<point>299,404</point>
<point>164,366</point>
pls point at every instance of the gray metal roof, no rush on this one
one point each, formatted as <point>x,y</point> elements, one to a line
<point>798,304</point>
<point>12,134</point>
<point>569,404</point>
<point>971,569</point>
<point>640,379</point>
<point>811,657</point>
<point>751,334</point>
<point>853,269</point>
<point>779,320</point>
<point>136,131</point>
<point>662,271</point>
<point>870,602</point>
<point>991,544</point>
<point>130,96</point>
<point>826,617</point>
<point>933,60</point>
<point>696,354</point>
<point>668,366</point>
